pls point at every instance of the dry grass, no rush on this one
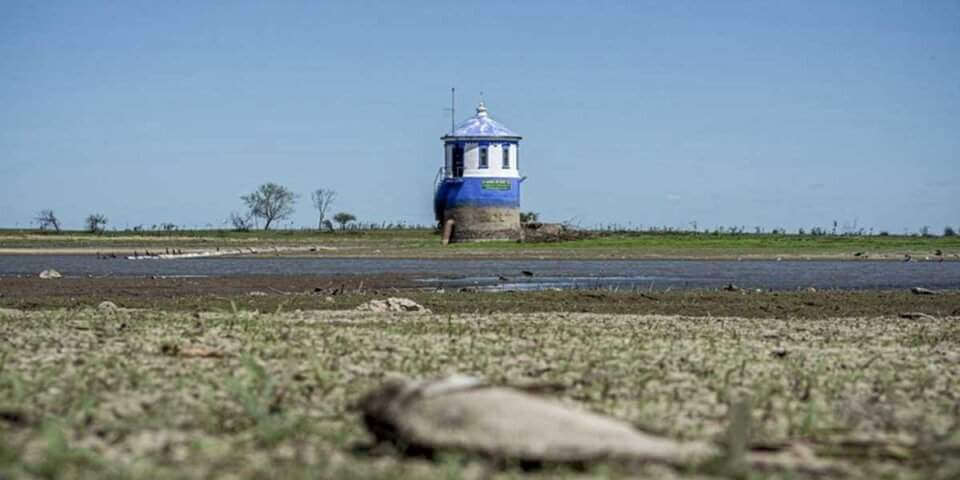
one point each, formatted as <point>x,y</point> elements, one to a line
<point>144,394</point>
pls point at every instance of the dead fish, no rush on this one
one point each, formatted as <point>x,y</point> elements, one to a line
<point>466,414</point>
<point>922,291</point>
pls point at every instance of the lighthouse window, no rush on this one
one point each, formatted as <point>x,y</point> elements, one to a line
<point>506,157</point>
<point>458,161</point>
<point>483,158</point>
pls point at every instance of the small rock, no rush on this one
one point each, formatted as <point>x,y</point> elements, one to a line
<point>107,306</point>
<point>731,287</point>
<point>393,304</point>
<point>922,291</point>
<point>50,273</point>
<point>200,352</point>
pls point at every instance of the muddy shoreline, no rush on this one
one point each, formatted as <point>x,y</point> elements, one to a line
<point>343,292</point>
<point>542,253</point>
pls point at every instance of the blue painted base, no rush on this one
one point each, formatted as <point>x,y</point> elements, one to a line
<point>476,192</point>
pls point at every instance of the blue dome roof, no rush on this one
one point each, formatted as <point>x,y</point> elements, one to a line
<point>481,125</point>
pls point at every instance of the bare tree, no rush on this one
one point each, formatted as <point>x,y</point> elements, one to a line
<point>322,199</point>
<point>270,202</point>
<point>96,222</point>
<point>47,219</point>
<point>343,218</point>
<point>241,223</point>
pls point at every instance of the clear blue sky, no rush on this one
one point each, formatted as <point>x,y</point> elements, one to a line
<point>773,114</point>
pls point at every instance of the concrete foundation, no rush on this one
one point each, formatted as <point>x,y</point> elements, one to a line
<point>478,224</point>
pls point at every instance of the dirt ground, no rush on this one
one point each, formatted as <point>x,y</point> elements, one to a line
<point>254,376</point>
<point>286,293</point>
<point>114,393</point>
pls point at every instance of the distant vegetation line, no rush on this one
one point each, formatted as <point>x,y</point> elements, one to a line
<point>349,224</point>
<point>272,203</point>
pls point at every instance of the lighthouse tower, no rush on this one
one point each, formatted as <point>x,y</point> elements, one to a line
<point>478,187</point>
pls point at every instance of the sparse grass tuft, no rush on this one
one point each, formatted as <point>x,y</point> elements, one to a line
<point>145,394</point>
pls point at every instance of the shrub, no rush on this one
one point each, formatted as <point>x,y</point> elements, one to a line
<point>343,218</point>
<point>241,223</point>
<point>529,217</point>
<point>96,222</point>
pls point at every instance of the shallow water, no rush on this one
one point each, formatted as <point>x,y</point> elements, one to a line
<point>507,274</point>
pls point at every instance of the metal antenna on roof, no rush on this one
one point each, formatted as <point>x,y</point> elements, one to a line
<point>452,109</point>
